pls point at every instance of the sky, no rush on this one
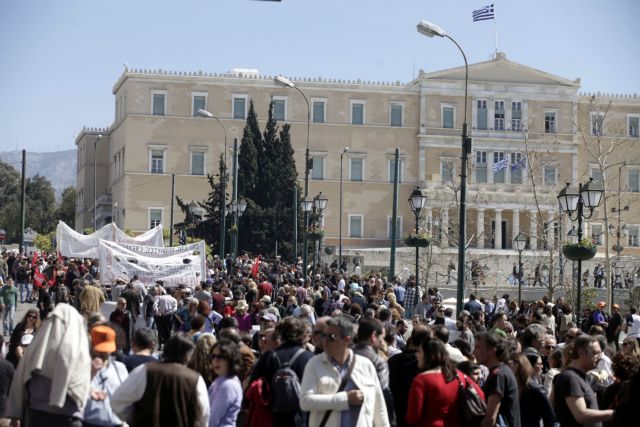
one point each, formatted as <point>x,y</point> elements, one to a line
<point>60,59</point>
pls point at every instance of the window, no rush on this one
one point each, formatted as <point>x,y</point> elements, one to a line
<point>596,174</point>
<point>482,114</point>
<point>155,217</point>
<point>158,102</point>
<point>447,170</point>
<point>499,167</point>
<point>356,169</point>
<point>481,166</point>
<point>597,123</point>
<point>317,167</point>
<point>198,102</point>
<point>197,163</point>
<point>318,111</point>
<point>240,107</point>
<point>280,108</point>
<point>550,175</point>
<point>448,117</point>
<point>357,113</point>
<point>156,160</point>
<point>633,124</point>
<point>549,122</point>
<point>355,225</point>
<point>596,233</point>
<point>392,170</point>
<point>634,180</point>
<point>396,115</point>
<point>634,233</point>
<point>498,115</point>
<point>398,227</point>
<point>516,116</point>
<point>517,166</point>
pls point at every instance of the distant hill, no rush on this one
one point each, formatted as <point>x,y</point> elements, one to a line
<point>59,167</point>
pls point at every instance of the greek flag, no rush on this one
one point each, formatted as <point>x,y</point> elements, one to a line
<point>483,14</point>
<point>498,166</point>
<point>518,165</point>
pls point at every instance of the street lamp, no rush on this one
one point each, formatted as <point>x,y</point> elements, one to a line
<point>520,243</point>
<point>237,208</point>
<point>573,202</point>
<point>430,30</point>
<point>306,205</point>
<point>223,178</point>
<point>95,191</point>
<point>618,248</point>
<point>319,204</point>
<point>417,200</point>
<point>284,82</point>
<point>344,151</point>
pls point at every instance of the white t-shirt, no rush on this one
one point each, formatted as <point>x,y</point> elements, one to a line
<point>633,322</point>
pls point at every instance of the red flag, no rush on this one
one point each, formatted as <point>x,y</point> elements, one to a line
<point>60,260</point>
<point>256,267</point>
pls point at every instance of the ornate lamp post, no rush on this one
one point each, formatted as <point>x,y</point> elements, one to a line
<point>237,208</point>
<point>431,30</point>
<point>574,203</point>
<point>520,243</point>
<point>417,200</point>
<point>344,151</point>
<point>319,204</point>
<point>306,205</point>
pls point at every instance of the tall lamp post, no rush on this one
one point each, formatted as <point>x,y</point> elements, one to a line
<point>574,203</point>
<point>319,204</point>
<point>521,243</point>
<point>344,151</point>
<point>283,81</point>
<point>237,208</point>
<point>95,191</point>
<point>417,200</point>
<point>306,205</point>
<point>617,248</point>
<point>223,178</point>
<point>430,30</point>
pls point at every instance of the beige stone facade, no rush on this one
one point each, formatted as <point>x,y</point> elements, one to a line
<point>534,124</point>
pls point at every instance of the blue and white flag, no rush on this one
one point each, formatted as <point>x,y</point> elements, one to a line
<point>518,165</point>
<point>498,166</point>
<point>484,13</point>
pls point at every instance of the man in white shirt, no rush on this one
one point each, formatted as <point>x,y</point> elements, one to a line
<point>167,307</point>
<point>632,324</point>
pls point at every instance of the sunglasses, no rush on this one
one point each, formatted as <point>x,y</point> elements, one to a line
<point>571,337</point>
<point>549,347</point>
<point>32,316</point>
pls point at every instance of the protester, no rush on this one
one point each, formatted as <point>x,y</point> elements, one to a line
<point>8,304</point>
<point>143,344</point>
<point>535,408</point>
<point>201,358</point>
<point>225,393</point>
<point>6,376</point>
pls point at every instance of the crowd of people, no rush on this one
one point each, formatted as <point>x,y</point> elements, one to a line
<point>257,343</point>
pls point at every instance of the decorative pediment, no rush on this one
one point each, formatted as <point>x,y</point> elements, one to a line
<point>500,70</point>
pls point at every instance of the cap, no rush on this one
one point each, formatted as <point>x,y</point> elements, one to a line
<point>266,299</point>
<point>103,339</point>
<point>270,317</point>
<point>601,304</point>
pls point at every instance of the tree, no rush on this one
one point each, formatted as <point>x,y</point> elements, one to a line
<point>67,209</point>
<point>248,155</point>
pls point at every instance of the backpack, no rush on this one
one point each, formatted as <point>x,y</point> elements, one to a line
<point>285,386</point>
<point>472,407</point>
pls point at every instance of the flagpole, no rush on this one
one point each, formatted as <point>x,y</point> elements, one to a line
<point>495,30</point>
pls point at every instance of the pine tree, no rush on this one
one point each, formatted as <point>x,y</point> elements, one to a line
<point>248,155</point>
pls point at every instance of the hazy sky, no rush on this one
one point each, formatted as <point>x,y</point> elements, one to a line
<point>59,59</point>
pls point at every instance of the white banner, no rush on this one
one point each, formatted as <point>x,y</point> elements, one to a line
<point>174,265</point>
<point>70,243</point>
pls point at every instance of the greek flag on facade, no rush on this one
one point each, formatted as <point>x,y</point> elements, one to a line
<point>498,166</point>
<point>484,13</point>
<point>518,165</point>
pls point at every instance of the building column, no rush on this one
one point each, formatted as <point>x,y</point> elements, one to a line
<point>533,231</point>
<point>498,235</point>
<point>489,167</point>
<point>444,225</point>
<point>480,228</point>
<point>421,164</point>
<point>515,224</point>
<point>550,229</point>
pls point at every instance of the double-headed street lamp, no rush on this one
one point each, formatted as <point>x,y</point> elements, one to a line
<point>430,30</point>
<point>344,151</point>
<point>283,81</point>
<point>520,243</point>
<point>237,208</point>
<point>223,179</point>
<point>417,200</point>
<point>572,202</point>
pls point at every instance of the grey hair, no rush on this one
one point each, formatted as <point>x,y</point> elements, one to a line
<point>345,325</point>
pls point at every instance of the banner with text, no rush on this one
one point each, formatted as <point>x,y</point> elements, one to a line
<point>70,243</point>
<point>173,265</point>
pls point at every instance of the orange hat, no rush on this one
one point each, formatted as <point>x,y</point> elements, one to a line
<point>103,339</point>
<point>615,306</point>
<point>601,304</point>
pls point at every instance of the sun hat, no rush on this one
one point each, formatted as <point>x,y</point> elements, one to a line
<point>103,339</point>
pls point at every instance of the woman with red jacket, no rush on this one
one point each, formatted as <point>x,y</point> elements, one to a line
<point>434,398</point>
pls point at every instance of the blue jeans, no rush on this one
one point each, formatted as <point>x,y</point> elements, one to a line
<point>150,322</point>
<point>7,318</point>
<point>25,288</point>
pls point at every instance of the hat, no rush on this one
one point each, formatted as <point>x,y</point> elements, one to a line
<point>266,299</point>
<point>615,306</point>
<point>26,339</point>
<point>103,339</point>
<point>601,304</point>
<point>242,305</point>
<point>228,310</point>
<point>270,317</point>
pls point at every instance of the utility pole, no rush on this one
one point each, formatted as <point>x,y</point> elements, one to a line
<point>173,196</point>
<point>22,198</point>
<point>394,215</point>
